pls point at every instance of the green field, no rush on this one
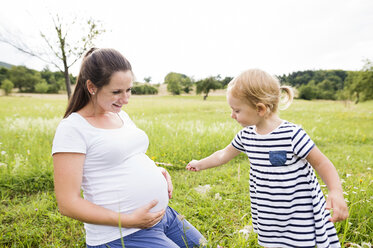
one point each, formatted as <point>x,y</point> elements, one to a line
<point>180,129</point>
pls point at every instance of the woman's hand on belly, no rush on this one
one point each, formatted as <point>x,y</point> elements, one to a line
<point>168,179</point>
<point>142,217</point>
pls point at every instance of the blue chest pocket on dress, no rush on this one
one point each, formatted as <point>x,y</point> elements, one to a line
<point>277,157</point>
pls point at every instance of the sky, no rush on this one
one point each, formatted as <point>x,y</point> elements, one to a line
<point>202,38</point>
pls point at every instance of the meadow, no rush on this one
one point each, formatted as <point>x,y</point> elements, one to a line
<point>180,129</point>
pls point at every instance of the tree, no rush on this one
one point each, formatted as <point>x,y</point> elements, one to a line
<point>18,75</point>
<point>174,87</point>
<point>207,84</point>
<point>7,86</point>
<point>177,82</point>
<point>3,73</point>
<point>42,87</point>
<point>308,91</point>
<point>225,81</point>
<point>186,84</point>
<point>65,51</point>
<point>144,89</point>
<point>326,90</point>
<point>24,79</point>
<point>148,79</point>
<point>360,84</point>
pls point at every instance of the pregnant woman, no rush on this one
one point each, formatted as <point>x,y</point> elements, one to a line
<point>97,148</point>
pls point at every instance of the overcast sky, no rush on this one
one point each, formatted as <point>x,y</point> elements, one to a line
<point>201,38</point>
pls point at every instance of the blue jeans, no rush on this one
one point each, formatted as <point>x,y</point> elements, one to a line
<point>170,232</point>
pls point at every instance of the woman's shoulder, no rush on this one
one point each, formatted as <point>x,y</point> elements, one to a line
<point>74,120</point>
<point>125,117</point>
<point>123,114</point>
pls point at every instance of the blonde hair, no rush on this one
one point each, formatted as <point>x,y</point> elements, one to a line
<point>256,86</point>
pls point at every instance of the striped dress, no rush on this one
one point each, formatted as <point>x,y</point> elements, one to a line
<point>287,204</point>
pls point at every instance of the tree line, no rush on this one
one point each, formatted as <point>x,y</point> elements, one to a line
<point>309,84</point>
<point>32,81</point>
<point>332,84</point>
<point>178,83</point>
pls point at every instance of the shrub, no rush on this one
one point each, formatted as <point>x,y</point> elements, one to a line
<point>7,86</point>
<point>308,92</point>
<point>144,89</point>
<point>42,87</point>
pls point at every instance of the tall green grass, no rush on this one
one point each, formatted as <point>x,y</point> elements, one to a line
<point>179,129</point>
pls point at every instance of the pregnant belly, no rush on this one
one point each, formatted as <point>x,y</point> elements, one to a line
<point>136,183</point>
<point>146,185</point>
<point>142,183</point>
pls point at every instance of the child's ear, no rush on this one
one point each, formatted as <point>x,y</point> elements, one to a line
<point>261,109</point>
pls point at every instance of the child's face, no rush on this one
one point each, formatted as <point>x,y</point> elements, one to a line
<point>243,113</point>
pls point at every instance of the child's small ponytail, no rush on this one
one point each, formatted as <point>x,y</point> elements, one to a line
<point>285,101</point>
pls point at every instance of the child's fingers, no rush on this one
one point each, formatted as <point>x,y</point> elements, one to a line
<point>339,212</point>
<point>337,215</point>
<point>189,167</point>
<point>328,204</point>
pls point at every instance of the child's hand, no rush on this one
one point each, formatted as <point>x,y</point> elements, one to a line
<point>336,202</point>
<point>193,166</point>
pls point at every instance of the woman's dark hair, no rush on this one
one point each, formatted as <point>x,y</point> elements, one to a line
<point>98,66</point>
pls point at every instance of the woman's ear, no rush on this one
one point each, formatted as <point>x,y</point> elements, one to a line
<point>91,87</point>
<point>261,109</point>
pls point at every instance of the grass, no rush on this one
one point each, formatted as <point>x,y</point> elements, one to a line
<point>179,129</point>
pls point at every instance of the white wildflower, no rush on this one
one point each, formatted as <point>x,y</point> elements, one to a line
<point>28,123</point>
<point>348,175</point>
<point>19,161</point>
<point>202,242</point>
<point>3,152</point>
<point>217,197</point>
<point>345,193</point>
<point>3,164</point>
<point>246,231</point>
<point>181,217</point>
<point>368,168</point>
<point>203,189</point>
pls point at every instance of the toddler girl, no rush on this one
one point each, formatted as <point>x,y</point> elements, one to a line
<point>287,205</point>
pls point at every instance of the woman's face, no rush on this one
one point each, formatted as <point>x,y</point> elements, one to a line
<point>112,97</point>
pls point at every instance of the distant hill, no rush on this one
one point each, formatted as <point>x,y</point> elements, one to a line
<point>6,65</point>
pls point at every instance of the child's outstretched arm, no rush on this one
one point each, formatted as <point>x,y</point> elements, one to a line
<point>217,158</point>
<point>329,175</point>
